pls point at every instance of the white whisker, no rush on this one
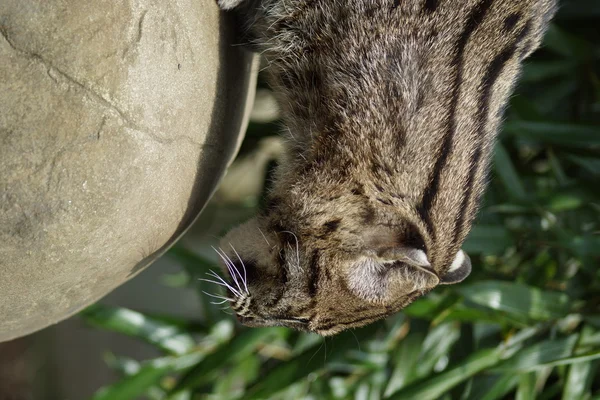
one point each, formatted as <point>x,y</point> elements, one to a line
<point>297,247</point>
<point>236,270</point>
<point>215,275</point>
<point>229,265</point>
<point>217,297</point>
<point>264,237</point>
<point>244,279</point>
<point>225,284</point>
<point>219,302</point>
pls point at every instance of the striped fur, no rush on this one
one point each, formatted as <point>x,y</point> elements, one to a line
<point>392,108</point>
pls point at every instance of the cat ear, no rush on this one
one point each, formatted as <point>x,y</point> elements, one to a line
<point>459,270</point>
<point>408,255</point>
<point>388,246</point>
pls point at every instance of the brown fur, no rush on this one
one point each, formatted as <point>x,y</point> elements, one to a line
<point>392,109</point>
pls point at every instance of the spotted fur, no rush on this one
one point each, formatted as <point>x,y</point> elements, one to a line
<point>392,108</point>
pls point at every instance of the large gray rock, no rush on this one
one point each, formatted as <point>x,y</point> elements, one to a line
<point>117,120</point>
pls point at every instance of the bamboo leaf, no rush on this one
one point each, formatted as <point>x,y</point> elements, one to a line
<point>543,354</point>
<point>310,360</point>
<point>492,387</point>
<point>238,348</point>
<point>488,239</point>
<point>526,388</point>
<point>506,171</point>
<point>131,323</point>
<point>149,375</point>
<point>567,135</point>
<point>579,380</point>
<point>518,300</point>
<point>433,387</point>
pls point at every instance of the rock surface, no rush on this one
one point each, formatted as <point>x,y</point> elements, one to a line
<point>117,120</point>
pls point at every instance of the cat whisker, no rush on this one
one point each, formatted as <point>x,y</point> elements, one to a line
<point>219,302</point>
<point>217,296</point>
<point>215,275</point>
<point>233,270</point>
<point>297,247</point>
<point>221,283</point>
<point>264,237</point>
<point>292,251</point>
<point>244,279</point>
<point>230,266</point>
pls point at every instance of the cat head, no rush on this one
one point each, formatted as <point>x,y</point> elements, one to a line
<point>299,266</point>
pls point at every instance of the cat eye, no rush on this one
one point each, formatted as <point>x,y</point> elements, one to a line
<point>303,321</point>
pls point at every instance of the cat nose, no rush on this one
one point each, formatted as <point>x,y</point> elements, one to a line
<point>250,321</point>
<point>245,320</point>
<point>241,318</point>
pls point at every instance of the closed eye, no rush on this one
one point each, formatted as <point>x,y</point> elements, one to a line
<point>303,321</point>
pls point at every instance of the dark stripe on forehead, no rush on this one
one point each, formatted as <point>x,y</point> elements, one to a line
<point>331,226</point>
<point>431,5</point>
<point>489,79</point>
<point>473,20</point>
<point>510,22</point>
<point>313,274</point>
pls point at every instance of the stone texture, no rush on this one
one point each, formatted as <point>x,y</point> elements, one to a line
<point>117,120</point>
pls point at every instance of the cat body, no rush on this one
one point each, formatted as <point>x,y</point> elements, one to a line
<point>391,109</point>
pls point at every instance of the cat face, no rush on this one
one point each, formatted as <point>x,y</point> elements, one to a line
<point>329,280</point>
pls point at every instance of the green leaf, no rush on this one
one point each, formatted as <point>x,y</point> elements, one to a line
<point>492,387</point>
<point>197,268</point>
<point>438,344</point>
<point>149,375</point>
<point>404,359</point>
<point>310,360</point>
<point>123,365</point>
<point>433,387</point>
<point>567,135</point>
<point>579,10</point>
<point>579,380</point>
<point>526,388</point>
<point>536,71</point>
<point>592,164</point>
<point>239,347</point>
<point>488,239</point>
<point>131,323</point>
<point>505,169</point>
<point>518,300</point>
<point>195,265</point>
<point>540,355</point>
<point>566,44</point>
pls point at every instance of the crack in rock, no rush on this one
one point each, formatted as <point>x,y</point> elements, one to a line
<point>93,94</point>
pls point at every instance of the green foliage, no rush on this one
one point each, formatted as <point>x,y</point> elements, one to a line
<point>525,325</point>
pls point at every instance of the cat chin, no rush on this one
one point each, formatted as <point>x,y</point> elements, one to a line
<point>254,322</point>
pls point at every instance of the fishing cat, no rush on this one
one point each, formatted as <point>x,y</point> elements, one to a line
<point>392,108</point>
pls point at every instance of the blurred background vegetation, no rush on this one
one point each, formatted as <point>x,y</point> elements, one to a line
<point>525,325</point>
